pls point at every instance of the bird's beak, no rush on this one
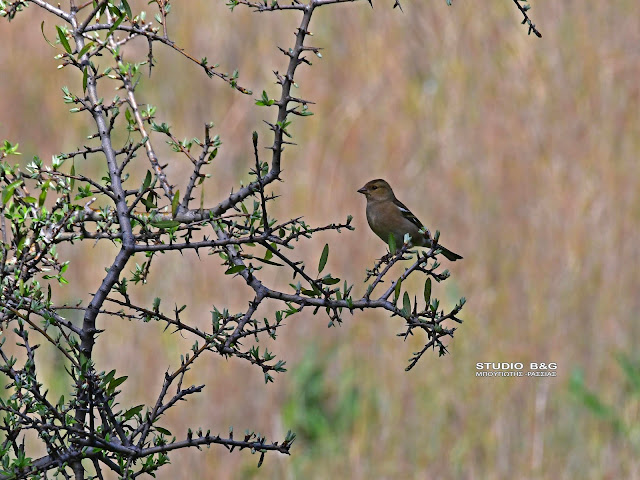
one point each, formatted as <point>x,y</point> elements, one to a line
<point>363,190</point>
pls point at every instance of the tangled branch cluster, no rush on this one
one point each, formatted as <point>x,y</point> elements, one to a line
<point>44,205</point>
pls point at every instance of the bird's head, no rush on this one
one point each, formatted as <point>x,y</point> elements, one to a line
<point>377,190</point>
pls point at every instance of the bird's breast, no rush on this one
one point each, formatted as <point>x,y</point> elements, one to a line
<point>376,219</point>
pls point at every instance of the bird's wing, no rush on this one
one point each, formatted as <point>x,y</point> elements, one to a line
<point>406,213</point>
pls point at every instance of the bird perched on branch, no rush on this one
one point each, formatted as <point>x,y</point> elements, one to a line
<point>387,215</point>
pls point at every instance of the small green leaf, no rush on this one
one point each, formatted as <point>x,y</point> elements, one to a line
<point>329,280</point>
<point>43,194</point>
<point>265,101</point>
<point>9,149</point>
<point>396,293</point>
<point>147,180</point>
<point>7,193</point>
<point>175,202</point>
<point>150,204</point>
<point>132,411</point>
<point>115,25</point>
<point>235,269</point>
<point>85,49</point>
<point>165,223</point>
<point>406,305</point>
<point>427,291</point>
<point>323,258</point>
<point>115,383</point>
<point>85,76</point>
<point>63,39</point>
<point>392,243</point>
<point>109,376</point>
<point>19,248</point>
<point>73,174</point>
<point>127,9</point>
<point>45,37</point>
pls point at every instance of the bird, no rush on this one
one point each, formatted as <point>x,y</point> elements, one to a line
<point>387,215</point>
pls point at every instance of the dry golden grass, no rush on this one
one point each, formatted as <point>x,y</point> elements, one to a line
<point>522,151</point>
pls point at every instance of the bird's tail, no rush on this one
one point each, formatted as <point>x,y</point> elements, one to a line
<point>449,254</point>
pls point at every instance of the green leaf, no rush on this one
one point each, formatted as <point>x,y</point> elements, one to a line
<point>127,9</point>
<point>323,258</point>
<point>147,181</point>
<point>116,382</point>
<point>9,149</point>
<point>85,49</point>
<point>19,248</point>
<point>165,223</point>
<point>150,203</point>
<point>7,193</point>
<point>265,101</point>
<point>392,243</point>
<point>235,269</point>
<point>63,39</point>
<point>396,292</point>
<point>175,203</point>
<point>45,37</point>
<point>43,194</point>
<point>427,291</point>
<point>109,376</point>
<point>115,25</point>
<point>163,431</point>
<point>162,128</point>
<point>73,174</point>
<point>85,76</point>
<point>406,305</point>
<point>132,411</point>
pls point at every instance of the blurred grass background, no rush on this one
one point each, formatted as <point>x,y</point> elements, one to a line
<point>523,152</point>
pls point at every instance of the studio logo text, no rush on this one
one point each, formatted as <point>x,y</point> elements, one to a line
<point>516,369</point>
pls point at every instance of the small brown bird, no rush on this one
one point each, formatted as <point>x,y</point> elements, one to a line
<point>387,215</point>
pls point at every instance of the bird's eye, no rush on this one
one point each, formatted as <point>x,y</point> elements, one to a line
<point>374,187</point>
